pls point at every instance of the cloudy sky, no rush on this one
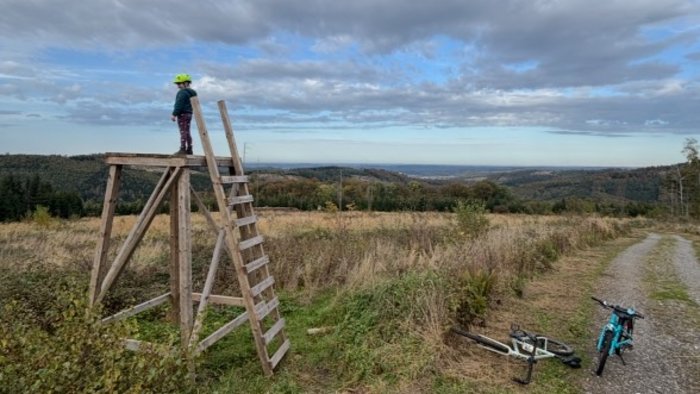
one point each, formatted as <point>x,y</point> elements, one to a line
<point>501,82</point>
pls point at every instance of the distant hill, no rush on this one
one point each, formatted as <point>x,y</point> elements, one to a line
<point>87,175</point>
<point>620,185</point>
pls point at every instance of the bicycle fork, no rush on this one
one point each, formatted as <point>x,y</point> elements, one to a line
<point>530,364</point>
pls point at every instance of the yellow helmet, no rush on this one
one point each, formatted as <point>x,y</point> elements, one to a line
<point>180,78</point>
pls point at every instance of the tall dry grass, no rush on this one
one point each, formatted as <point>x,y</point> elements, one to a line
<point>400,278</point>
<point>312,251</point>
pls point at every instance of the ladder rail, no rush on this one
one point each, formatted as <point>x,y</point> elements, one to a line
<point>230,238</point>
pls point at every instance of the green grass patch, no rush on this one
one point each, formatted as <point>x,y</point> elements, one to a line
<point>663,283</point>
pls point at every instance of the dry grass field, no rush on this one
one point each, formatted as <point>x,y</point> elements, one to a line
<point>390,285</point>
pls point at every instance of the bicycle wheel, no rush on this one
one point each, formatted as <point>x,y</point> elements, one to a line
<point>498,346</point>
<point>558,347</point>
<point>603,355</point>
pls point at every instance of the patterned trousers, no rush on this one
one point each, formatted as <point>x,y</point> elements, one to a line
<point>183,122</point>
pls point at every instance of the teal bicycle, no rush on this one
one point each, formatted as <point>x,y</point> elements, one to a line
<point>616,336</point>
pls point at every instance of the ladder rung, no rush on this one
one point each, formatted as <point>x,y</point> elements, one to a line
<point>274,330</point>
<point>240,200</point>
<point>267,308</point>
<point>246,221</point>
<point>262,308</point>
<point>260,287</point>
<point>234,179</point>
<point>255,264</point>
<point>279,354</point>
<point>249,243</point>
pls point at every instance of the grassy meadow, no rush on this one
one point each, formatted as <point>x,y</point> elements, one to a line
<point>385,287</point>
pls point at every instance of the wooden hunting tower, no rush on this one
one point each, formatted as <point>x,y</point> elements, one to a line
<point>236,232</point>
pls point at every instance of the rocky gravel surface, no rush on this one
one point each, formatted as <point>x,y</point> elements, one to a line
<point>652,366</point>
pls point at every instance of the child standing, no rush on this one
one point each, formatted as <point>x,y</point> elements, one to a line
<point>182,112</point>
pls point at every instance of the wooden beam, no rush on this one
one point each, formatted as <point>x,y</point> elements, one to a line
<point>225,329</point>
<point>203,209</point>
<point>110,202</point>
<point>220,299</point>
<point>160,160</point>
<point>174,256</point>
<point>137,232</point>
<point>279,354</point>
<point>270,334</point>
<point>134,310</point>
<point>185,255</point>
<point>208,284</point>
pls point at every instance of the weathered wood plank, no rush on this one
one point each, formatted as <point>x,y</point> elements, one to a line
<point>221,332</point>
<point>249,243</point>
<point>255,264</point>
<point>159,160</point>
<point>263,308</point>
<point>234,179</point>
<point>136,309</point>
<point>203,209</point>
<point>279,354</point>
<point>270,334</point>
<point>240,200</point>
<point>208,283</point>
<point>246,221</point>
<point>174,267</point>
<point>260,287</point>
<point>185,256</point>
<point>220,299</point>
<point>108,207</point>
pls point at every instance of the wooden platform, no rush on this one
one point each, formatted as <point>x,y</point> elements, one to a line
<point>160,160</point>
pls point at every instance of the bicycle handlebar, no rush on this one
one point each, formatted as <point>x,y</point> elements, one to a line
<point>617,308</point>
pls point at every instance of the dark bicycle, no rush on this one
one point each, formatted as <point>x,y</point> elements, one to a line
<point>616,336</point>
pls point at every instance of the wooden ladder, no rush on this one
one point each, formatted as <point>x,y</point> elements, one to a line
<point>246,251</point>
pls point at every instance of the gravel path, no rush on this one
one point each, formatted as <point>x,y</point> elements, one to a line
<point>650,367</point>
<point>687,267</point>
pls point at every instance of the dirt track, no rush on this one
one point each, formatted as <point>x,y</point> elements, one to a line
<point>652,366</point>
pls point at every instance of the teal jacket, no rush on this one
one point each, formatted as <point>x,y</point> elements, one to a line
<point>182,101</point>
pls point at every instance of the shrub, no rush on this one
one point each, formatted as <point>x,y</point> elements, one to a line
<point>41,216</point>
<point>77,353</point>
<point>472,301</point>
<point>471,218</point>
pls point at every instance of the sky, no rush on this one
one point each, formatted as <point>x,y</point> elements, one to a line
<point>500,82</point>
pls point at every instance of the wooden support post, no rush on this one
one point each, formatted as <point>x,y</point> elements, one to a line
<point>185,256</point>
<point>110,202</point>
<point>174,255</point>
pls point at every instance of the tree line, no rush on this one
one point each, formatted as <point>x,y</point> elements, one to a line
<point>20,197</point>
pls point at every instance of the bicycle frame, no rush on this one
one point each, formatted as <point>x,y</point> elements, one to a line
<point>620,326</point>
<point>616,326</point>
<point>525,346</point>
<point>514,351</point>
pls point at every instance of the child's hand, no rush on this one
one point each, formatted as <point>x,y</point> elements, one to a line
<point>173,118</point>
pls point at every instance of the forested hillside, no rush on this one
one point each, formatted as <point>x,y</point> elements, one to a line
<point>610,191</point>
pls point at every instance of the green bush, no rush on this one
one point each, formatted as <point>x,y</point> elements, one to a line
<point>76,353</point>
<point>42,216</point>
<point>473,292</point>
<point>471,218</point>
